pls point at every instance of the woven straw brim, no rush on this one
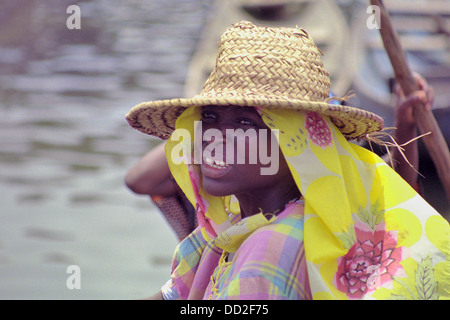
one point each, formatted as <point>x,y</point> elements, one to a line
<point>158,118</point>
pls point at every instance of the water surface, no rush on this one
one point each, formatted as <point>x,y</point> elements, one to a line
<point>65,145</point>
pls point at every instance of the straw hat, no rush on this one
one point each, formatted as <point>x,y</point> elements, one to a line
<point>264,67</point>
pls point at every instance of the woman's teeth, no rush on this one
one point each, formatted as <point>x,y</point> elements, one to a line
<point>219,164</point>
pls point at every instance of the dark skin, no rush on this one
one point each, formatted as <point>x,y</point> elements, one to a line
<point>151,175</point>
<point>255,192</point>
<point>407,128</point>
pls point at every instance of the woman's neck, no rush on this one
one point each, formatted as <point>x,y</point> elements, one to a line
<point>271,202</point>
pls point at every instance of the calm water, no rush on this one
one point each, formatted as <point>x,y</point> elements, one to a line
<point>65,146</point>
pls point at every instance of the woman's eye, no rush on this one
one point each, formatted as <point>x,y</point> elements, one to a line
<point>246,122</point>
<point>207,115</point>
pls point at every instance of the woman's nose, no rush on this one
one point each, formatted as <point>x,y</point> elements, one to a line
<point>225,128</point>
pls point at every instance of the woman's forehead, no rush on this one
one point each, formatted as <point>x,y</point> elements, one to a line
<point>230,108</point>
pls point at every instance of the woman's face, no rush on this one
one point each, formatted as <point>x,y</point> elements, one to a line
<point>236,153</point>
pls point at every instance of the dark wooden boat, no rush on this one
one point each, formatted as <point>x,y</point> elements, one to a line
<point>424,30</point>
<point>423,27</point>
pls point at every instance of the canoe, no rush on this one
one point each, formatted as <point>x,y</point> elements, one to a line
<point>424,30</point>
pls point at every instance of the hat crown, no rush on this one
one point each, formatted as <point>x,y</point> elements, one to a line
<point>269,63</point>
<point>261,67</point>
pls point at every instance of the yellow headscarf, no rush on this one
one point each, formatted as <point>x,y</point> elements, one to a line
<point>367,233</point>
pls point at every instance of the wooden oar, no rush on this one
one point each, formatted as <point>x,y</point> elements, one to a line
<point>434,142</point>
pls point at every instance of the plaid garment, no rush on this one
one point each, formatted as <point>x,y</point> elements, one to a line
<point>269,264</point>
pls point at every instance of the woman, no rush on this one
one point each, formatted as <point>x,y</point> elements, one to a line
<point>332,222</point>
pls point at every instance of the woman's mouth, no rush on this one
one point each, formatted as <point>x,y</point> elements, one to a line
<point>214,168</point>
<point>219,164</point>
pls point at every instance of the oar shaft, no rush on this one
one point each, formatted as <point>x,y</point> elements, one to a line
<point>434,142</point>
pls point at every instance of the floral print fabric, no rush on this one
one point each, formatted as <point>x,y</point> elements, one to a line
<point>367,233</point>
<point>371,262</point>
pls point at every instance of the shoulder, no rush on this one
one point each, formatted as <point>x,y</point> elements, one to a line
<point>271,261</point>
<point>190,247</point>
<point>283,236</point>
<point>289,227</point>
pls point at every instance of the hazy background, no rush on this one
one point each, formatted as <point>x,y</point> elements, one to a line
<point>65,145</point>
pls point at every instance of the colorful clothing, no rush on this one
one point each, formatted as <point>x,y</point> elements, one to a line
<point>265,261</point>
<point>366,235</point>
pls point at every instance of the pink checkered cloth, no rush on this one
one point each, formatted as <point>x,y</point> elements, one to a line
<point>270,264</point>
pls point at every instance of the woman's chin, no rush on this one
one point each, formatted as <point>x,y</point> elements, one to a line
<point>214,187</point>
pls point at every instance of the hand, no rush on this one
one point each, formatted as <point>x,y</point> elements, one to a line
<point>406,128</point>
<point>404,107</point>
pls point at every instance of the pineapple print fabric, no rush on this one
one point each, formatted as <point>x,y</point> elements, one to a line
<point>367,233</point>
